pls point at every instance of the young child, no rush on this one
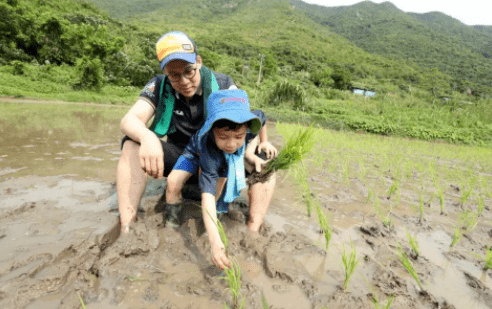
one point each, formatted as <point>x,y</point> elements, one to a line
<point>221,150</point>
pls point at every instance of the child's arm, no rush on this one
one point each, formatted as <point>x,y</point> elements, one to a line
<point>209,212</point>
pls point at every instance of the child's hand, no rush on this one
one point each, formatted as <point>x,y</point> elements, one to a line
<point>271,152</point>
<point>219,257</point>
<point>258,163</point>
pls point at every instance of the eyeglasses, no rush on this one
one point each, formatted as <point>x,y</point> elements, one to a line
<point>189,73</point>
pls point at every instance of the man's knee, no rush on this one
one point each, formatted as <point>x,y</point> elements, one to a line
<point>129,150</point>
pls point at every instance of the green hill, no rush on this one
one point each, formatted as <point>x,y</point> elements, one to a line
<point>293,65</point>
<point>432,40</point>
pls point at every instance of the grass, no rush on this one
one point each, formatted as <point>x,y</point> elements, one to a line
<point>349,264</point>
<point>408,264</point>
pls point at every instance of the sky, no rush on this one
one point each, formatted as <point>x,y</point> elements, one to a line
<point>469,12</point>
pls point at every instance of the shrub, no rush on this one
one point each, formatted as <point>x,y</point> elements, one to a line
<point>91,74</point>
<point>286,92</point>
<point>18,67</point>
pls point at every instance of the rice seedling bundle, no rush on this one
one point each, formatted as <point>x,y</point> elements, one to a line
<point>296,148</point>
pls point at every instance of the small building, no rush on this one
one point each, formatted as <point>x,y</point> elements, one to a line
<point>362,91</point>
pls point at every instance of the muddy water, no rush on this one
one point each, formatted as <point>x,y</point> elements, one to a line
<point>59,235</point>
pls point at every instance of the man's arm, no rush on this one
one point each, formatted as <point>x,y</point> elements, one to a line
<point>134,125</point>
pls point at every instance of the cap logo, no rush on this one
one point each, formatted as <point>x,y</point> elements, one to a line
<point>224,100</point>
<point>173,44</point>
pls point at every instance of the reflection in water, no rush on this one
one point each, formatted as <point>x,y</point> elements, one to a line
<point>47,140</point>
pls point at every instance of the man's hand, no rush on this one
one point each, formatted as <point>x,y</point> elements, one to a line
<point>219,257</point>
<point>152,156</point>
<point>270,151</point>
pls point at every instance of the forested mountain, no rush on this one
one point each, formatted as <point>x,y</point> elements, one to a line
<point>292,59</point>
<point>432,40</point>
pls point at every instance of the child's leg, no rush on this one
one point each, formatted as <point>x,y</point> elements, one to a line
<point>175,183</point>
<point>260,195</point>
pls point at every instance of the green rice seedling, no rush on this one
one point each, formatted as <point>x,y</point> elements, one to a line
<point>421,207</point>
<point>413,243</point>
<point>349,264</point>
<point>377,305</point>
<point>345,169</point>
<point>408,264</point>
<point>233,279</point>
<point>480,205</point>
<point>264,303</point>
<point>468,220</point>
<point>487,258</point>
<point>370,194</point>
<point>323,223</point>
<point>456,236</point>
<point>375,296</point>
<point>82,302</point>
<point>394,187</point>
<point>467,191</point>
<point>232,274</point>
<point>363,171</point>
<point>440,195</point>
<point>300,176</point>
<point>386,218</point>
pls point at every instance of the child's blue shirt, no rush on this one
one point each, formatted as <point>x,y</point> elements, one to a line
<point>203,152</point>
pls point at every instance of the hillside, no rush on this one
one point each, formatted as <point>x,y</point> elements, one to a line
<point>432,40</point>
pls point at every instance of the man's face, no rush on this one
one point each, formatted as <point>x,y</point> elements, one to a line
<point>230,140</point>
<point>178,69</point>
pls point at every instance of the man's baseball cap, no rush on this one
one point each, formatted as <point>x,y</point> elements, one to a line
<point>175,45</point>
<point>232,105</point>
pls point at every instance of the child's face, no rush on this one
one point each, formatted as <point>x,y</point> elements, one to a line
<point>230,140</point>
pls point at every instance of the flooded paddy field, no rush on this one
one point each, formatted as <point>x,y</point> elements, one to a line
<point>60,242</point>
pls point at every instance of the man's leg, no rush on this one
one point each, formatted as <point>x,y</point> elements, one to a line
<point>130,183</point>
<point>260,195</point>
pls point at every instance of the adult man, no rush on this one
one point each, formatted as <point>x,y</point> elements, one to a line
<point>177,102</point>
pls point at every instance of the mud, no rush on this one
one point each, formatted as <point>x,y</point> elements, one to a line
<point>59,240</point>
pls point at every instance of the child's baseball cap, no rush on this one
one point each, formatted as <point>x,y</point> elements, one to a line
<point>175,45</point>
<point>232,105</point>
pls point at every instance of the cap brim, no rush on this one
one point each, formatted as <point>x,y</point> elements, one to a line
<point>188,57</point>
<point>235,116</point>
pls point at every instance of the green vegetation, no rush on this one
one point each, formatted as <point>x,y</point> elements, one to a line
<point>323,223</point>
<point>233,279</point>
<point>433,40</point>
<point>456,236</point>
<point>413,243</point>
<point>408,264</point>
<point>349,264</point>
<point>95,58</point>
<point>295,149</point>
<point>82,302</point>
<point>487,258</point>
